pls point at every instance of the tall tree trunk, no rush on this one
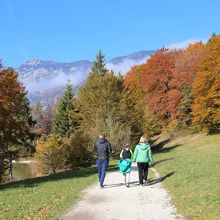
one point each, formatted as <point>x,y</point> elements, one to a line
<point>53,169</point>
<point>10,173</point>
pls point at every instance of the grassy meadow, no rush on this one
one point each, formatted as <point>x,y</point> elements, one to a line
<point>190,164</point>
<point>194,162</point>
<point>45,197</point>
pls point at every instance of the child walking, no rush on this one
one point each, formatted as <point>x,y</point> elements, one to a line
<point>125,163</point>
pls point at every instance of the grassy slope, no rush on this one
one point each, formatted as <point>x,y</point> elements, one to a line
<point>195,183</point>
<point>44,197</point>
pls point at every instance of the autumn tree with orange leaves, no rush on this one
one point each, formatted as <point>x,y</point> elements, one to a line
<point>156,82</point>
<point>181,86</point>
<point>206,89</point>
<point>15,119</point>
<point>143,118</point>
<point>186,67</point>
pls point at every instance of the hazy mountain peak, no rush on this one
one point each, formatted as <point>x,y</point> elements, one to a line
<point>46,80</point>
<point>32,62</point>
<point>133,56</point>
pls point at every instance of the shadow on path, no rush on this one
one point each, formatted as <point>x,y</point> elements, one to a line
<point>136,183</point>
<point>131,184</point>
<point>113,185</point>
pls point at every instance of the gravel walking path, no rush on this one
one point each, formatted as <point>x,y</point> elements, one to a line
<point>117,202</point>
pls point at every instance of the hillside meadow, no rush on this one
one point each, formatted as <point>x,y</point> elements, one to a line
<point>194,161</point>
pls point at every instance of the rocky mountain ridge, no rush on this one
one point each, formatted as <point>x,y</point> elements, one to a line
<point>46,80</point>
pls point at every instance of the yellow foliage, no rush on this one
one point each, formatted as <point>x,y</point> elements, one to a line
<point>206,89</point>
<point>50,151</point>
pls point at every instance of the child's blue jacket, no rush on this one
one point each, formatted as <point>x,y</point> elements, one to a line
<point>124,165</point>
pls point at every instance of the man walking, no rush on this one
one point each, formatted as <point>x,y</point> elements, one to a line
<point>103,150</point>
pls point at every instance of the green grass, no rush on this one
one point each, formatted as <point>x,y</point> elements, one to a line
<point>190,163</point>
<point>45,197</point>
<point>193,162</point>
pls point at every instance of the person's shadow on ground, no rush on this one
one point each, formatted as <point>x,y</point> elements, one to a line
<point>113,185</point>
<point>136,183</point>
<point>158,180</point>
<point>151,181</point>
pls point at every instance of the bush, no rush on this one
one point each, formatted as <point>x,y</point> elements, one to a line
<point>78,152</point>
<point>50,151</point>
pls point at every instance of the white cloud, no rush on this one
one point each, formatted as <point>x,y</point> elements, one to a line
<point>185,43</point>
<point>42,79</point>
<point>125,65</point>
<point>59,80</point>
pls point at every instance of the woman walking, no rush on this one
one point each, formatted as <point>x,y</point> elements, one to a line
<point>143,156</point>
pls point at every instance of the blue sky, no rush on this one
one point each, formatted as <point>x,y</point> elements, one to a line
<point>69,30</point>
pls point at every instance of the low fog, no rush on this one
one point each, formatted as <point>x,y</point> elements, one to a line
<point>40,80</point>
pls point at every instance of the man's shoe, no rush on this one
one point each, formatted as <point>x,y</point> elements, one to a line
<point>101,187</point>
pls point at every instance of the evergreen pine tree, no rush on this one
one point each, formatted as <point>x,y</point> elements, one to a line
<point>63,123</point>
<point>100,108</point>
<point>98,66</point>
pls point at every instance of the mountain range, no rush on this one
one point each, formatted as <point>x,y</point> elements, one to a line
<point>45,80</point>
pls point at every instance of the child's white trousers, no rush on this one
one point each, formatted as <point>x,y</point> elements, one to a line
<point>126,178</point>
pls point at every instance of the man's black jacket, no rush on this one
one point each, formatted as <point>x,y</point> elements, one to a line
<point>103,149</point>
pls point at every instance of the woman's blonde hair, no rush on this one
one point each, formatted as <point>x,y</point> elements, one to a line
<point>143,139</point>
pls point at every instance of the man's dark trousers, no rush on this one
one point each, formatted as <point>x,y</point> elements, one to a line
<point>102,167</point>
